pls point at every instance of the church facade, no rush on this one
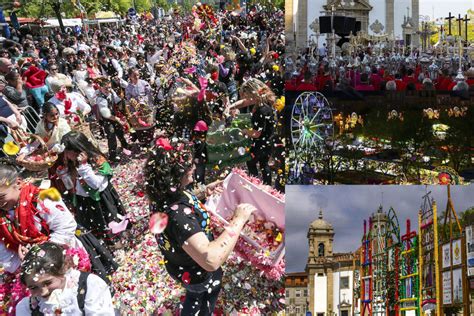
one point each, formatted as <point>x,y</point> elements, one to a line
<point>376,17</point>
<point>326,286</point>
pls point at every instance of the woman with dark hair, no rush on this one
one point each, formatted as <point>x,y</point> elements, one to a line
<point>258,95</point>
<point>51,128</point>
<point>48,272</point>
<point>87,174</point>
<point>193,257</point>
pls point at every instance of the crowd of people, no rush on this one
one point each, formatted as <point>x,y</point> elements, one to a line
<point>366,71</point>
<point>150,90</point>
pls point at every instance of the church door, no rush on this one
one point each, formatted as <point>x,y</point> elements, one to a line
<point>408,39</point>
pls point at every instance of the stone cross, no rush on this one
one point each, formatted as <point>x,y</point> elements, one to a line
<point>449,18</point>
<point>425,34</point>
<point>377,27</point>
<point>465,25</point>
<point>459,24</point>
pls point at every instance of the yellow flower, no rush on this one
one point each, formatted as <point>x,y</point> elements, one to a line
<point>78,232</point>
<point>279,237</point>
<point>10,148</point>
<point>51,193</point>
<point>163,261</point>
<point>253,51</point>
<point>276,68</point>
<point>279,104</point>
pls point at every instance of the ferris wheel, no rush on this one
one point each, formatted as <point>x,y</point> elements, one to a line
<point>311,128</point>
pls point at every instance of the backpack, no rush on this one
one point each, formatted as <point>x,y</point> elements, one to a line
<point>81,296</point>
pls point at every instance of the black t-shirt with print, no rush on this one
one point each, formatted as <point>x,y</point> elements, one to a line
<point>263,121</point>
<point>185,218</point>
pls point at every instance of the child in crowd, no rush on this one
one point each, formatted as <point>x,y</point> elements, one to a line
<point>87,174</point>
<point>56,289</point>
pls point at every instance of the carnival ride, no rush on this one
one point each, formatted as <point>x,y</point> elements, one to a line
<point>312,129</point>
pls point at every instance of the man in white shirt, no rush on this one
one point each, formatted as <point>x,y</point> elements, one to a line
<point>106,101</point>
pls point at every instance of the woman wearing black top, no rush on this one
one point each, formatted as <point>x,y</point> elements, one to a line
<point>193,257</point>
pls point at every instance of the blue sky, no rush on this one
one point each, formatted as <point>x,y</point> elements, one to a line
<point>346,207</point>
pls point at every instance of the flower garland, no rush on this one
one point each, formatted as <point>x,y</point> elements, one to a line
<point>80,258</point>
<point>11,292</point>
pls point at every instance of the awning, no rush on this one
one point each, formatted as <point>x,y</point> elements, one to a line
<point>106,15</point>
<point>66,22</point>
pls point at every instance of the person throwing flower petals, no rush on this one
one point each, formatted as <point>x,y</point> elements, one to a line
<point>193,256</point>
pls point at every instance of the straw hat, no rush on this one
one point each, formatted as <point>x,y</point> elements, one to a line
<point>60,82</point>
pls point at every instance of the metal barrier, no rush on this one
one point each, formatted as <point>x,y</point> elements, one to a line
<point>32,119</point>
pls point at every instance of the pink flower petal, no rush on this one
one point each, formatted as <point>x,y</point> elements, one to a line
<point>158,223</point>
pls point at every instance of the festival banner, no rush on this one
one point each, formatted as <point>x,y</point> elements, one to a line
<point>470,249</point>
<point>447,293</point>
<point>446,256</point>
<point>366,290</point>
<point>457,286</point>
<point>456,254</point>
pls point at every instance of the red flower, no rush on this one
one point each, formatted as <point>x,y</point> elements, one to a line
<point>140,194</point>
<point>186,278</point>
<point>275,55</point>
<point>444,178</point>
<point>60,95</point>
<point>215,75</point>
<point>164,143</point>
<point>67,106</point>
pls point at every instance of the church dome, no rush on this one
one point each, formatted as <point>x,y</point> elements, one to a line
<point>320,224</point>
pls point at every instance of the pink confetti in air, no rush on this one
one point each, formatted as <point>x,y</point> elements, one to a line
<point>127,152</point>
<point>143,123</point>
<point>190,70</point>
<point>158,223</point>
<point>187,211</point>
<point>173,189</point>
<point>174,207</point>
<point>118,227</point>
